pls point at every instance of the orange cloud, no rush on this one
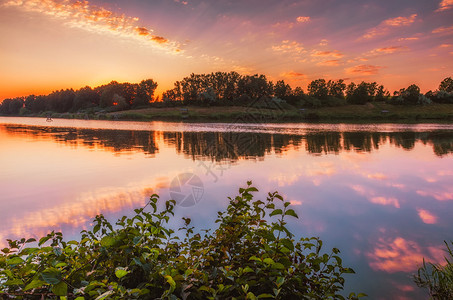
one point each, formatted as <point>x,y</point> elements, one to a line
<point>445,46</point>
<point>401,255</point>
<point>427,217</point>
<point>400,21</point>
<point>386,25</point>
<point>378,176</point>
<point>446,30</point>
<point>363,70</point>
<point>332,62</point>
<point>142,31</point>
<point>445,5</point>
<point>294,76</point>
<point>389,50</point>
<point>334,53</point>
<point>83,15</point>
<point>303,19</point>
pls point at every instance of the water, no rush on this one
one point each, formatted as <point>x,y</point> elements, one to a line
<point>382,194</point>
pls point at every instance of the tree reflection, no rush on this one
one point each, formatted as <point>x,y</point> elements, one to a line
<point>231,146</point>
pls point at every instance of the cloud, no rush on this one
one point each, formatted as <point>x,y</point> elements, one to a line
<point>302,19</point>
<point>445,5</point>
<point>89,17</point>
<point>443,29</point>
<point>408,39</point>
<point>400,255</point>
<point>334,53</point>
<point>385,26</point>
<point>332,62</point>
<point>293,48</point>
<point>386,50</point>
<point>294,75</point>
<point>323,42</point>
<point>291,25</point>
<point>445,46</point>
<point>378,176</point>
<point>385,201</point>
<point>363,70</point>
<point>426,216</point>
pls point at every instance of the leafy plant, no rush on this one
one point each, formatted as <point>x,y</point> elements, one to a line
<point>250,255</point>
<point>438,279</point>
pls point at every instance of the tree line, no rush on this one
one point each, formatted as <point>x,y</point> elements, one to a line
<point>221,89</point>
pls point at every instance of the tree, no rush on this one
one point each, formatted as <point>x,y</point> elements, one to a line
<point>336,88</point>
<point>282,90</point>
<point>446,85</point>
<point>362,93</point>
<point>318,89</point>
<point>145,93</point>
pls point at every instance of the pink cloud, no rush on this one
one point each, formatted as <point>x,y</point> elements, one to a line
<point>408,39</point>
<point>378,176</point>
<point>427,217</point>
<point>401,255</point>
<point>386,201</point>
<point>445,5</point>
<point>445,30</point>
<point>385,26</point>
<point>363,70</point>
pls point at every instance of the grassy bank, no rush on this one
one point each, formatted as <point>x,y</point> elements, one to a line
<point>355,113</point>
<point>376,112</point>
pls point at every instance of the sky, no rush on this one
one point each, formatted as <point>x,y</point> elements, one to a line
<point>47,45</point>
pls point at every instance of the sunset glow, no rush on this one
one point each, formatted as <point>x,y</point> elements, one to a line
<point>48,45</point>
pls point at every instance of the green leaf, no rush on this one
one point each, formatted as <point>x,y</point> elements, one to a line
<point>60,289</point>
<point>5,250</point>
<point>247,270</point>
<point>14,261</point>
<point>276,212</point>
<point>268,261</point>
<point>170,281</point>
<point>121,272</point>
<point>43,240</point>
<point>80,298</point>
<point>255,258</point>
<point>265,296</point>
<point>35,283</point>
<point>51,276</point>
<point>107,241</point>
<point>104,295</point>
<point>14,282</point>
<point>291,212</point>
<point>30,240</point>
<point>251,296</point>
<point>287,243</point>
<point>278,266</point>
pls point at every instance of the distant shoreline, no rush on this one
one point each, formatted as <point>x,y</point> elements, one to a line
<point>368,113</point>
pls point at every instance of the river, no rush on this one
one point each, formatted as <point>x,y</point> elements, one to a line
<point>381,193</point>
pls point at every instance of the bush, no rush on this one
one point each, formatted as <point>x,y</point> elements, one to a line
<point>436,278</point>
<point>250,255</point>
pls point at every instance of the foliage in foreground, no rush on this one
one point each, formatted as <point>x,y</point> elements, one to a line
<point>250,255</point>
<point>438,279</point>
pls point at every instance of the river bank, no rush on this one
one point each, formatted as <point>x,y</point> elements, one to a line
<point>376,112</point>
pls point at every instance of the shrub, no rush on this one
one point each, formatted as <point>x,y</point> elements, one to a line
<point>438,279</point>
<point>252,254</point>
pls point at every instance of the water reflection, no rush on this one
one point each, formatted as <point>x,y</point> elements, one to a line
<point>219,146</point>
<point>383,197</point>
